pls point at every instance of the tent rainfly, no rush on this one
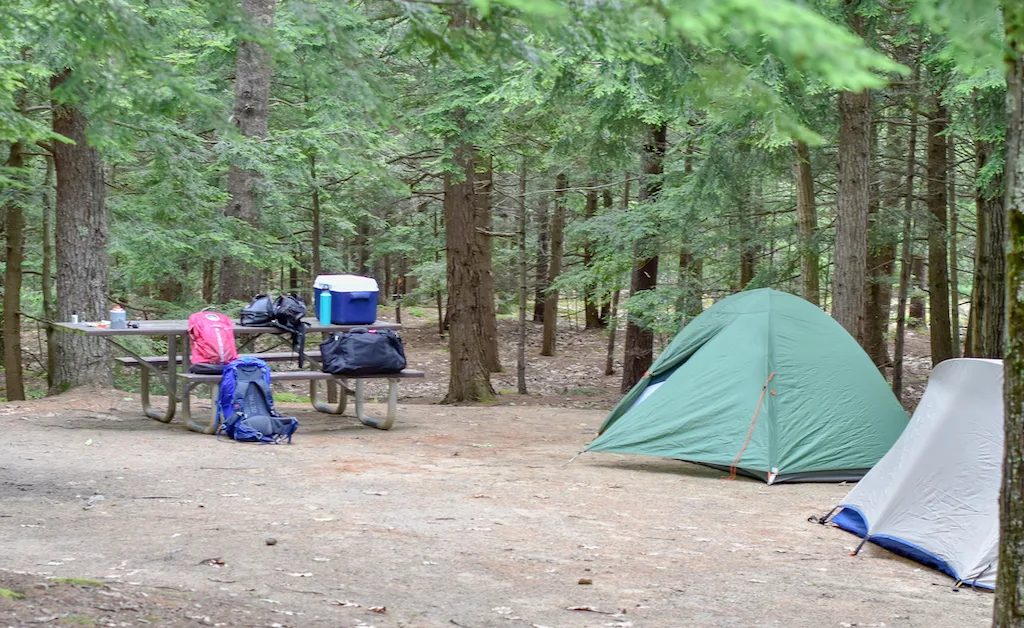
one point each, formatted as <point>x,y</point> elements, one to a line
<point>934,497</point>
<point>766,384</point>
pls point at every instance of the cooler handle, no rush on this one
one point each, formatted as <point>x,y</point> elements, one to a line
<point>359,295</point>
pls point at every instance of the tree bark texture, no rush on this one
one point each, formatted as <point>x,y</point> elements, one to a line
<point>316,268</point>
<point>14,214</point>
<point>851,248</point>
<point>541,281</point>
<point>639,350</point>
<point>606,302</point>
<point>482,189</point>
<point>1009,602</point>
<point>906,250</point>
<point>938,256</point>
<point>691,278</point>
<point>807,225</point>
<point>954,257</point>
<point>523,276</point>
<point>250,114</point>
<point>470,378</point>
<point>881,264</point>
<point>49,311</point>
<point>591,312</point>
<point>81,247</point>
<point>919,286</point>
<point>613,323</point>
<point>554,267</point>
<point>986,336</point>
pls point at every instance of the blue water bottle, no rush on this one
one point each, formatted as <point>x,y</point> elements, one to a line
<point>325,307</point>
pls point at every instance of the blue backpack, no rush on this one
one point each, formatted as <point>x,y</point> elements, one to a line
<point>245,408</point>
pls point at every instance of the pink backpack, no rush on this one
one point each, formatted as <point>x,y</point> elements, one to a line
<point>213,338</point>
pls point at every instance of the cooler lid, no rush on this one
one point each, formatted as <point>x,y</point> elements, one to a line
<point>345,283</point>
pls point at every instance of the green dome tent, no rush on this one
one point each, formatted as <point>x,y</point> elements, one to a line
<point>766,383</point>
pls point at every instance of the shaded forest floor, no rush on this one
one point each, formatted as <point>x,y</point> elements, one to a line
<point>459,517</point>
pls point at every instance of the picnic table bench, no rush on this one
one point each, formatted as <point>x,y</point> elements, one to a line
<point>179,392</point>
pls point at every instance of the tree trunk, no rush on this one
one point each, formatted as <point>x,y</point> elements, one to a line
<point>938,257</point>
<point>919,286</point>
<point>554,267</point>
<point>442,316</point>
<point>748,261</point>
<point>808,224</point>
<point>470,378</point>
<point>521,332</point>
<point>907,251</point>
<point>485,290</point>
<point>592,316</point>
<point>1009,602</point>
<point>540,284</point>
<point>691,271</point>
<point>49,311</point>
<point>606,302</point>
<point>316,267</point>
<point>639,351</point>
<point>851,248</point>
<point>81,247</point>
<point>609,358</point>
<point>954,261</point>
<point>881,264</point>
<point>13,211</point>
<point>238,280</point>
<point>988,298</point>
<point>209,280</point>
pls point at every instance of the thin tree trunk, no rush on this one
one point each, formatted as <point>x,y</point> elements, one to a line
<point>485,290</point>
<point>442,318</point>
<point>1009,603</point>
<point>209,280</point>
<point>540,284</point>
<point>748,261</point>
<point>15,217</point>
<point>81,247</point>
<point>606,303</point>
<point>613,318</point>
<point>238,280</point>
<point>49,311</point>
<point>808,224</point>
<point>639,350</point>
<point>592,316</point>
<point>920,287</point>
<point>554,267</point>
<point>907,252</point>
<point>881,263</point>
<point>317,268</point>
<point>851,248</point>
<point>954,220</point>
<point>521,236</point>
<point>988,298</point>
<point>938,257</point>
<point>470,378</point>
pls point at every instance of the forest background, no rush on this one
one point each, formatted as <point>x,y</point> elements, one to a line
<point>479,157</point>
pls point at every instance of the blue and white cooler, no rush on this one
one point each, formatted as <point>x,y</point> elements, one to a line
<point>353,298</point>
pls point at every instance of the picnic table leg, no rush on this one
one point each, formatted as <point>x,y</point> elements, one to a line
<point>332,406</point>
<point>207,427</point>
<point>389,420</point>
<point>171,383</point>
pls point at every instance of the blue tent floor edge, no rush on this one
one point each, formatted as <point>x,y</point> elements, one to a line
<point>852,520</point>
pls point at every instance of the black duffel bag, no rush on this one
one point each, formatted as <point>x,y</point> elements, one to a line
<point>363,352</point>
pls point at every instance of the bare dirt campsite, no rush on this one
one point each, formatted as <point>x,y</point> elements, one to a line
<point>459,516</point>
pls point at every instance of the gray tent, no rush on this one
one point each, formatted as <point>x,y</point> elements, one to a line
<point>934,497</point>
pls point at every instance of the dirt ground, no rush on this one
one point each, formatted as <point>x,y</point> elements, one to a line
<point>459,516</point>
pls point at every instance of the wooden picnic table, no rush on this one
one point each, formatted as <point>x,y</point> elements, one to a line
<point>178,352</point>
